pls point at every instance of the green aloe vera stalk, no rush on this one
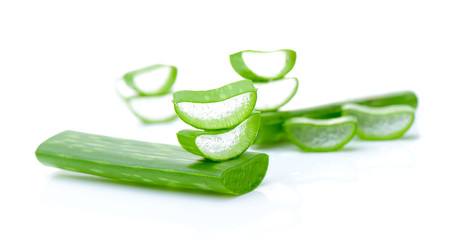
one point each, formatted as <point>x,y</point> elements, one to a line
<point>152,109</point>
<point>221,145</point>
<point>380,123</point>
<point>320,135</point>
<point>262,66</point>
<point>219,108</point>
<point>275,94</point>
<point>151,163</point>
<point>271,130</point>
<point>153,80</point>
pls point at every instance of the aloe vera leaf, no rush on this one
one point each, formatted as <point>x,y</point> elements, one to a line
<point>320,135</point>
<point>271,130</point>
<point>151,163</point>
<point>380,123</point>
<point>266,65</point>
<point>283,90</point>
<point>219,108</point>
<point>221,145</point>
<point>152,80</point>
<point>152,109</point>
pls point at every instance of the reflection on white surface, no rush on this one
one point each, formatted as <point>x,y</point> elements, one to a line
<point>174,206</point>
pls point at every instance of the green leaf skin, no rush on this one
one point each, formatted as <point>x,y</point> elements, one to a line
<point>271,130</point>
<point>129,78</point>
<point>380,123</point>
<point>189,139</point>
<point>238,64</point>
<point>151,163</point>
<point>264,93</point>
<point>157,106</point>
<point>206,105</point>
<point>315,135</point>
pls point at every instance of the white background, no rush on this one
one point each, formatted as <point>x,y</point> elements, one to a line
<point>59,60</point>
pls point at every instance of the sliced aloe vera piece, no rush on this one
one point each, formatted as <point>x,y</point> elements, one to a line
<point>151,163</point>
<point>221,145</point>
<point>153,80</point>
<point>271,130</point>
<point>380,123</point>
<point>152,109</point>
<point>273,95</point>
<point>263,65</point>
<point>219,108</point>
<point>320,135</point>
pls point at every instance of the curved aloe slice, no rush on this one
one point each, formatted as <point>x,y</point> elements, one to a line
<point>152,109</point>
<point>320,135</point>
<point>218,108</point>
<point>263,66</point>
<point>221,145</point>
<point>273,95</point>
<point>151,163</point>
<point>153,80</point>
<point>380,123</point>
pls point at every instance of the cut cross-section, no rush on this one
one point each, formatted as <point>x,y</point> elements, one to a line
<point>221,145</point>
<point>380,123</point>
<point>263,66</point>
<point>320,135</point>
<point>273,95</point>
<point>153,80</point>
<point>219,108</point>
<point>152,109</point>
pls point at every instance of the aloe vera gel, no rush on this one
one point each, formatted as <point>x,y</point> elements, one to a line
<point>226,116</point>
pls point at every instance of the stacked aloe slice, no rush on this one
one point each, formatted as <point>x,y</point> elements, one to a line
<point>267,70</point>
<point>225,116</point>
<point>147,92</point>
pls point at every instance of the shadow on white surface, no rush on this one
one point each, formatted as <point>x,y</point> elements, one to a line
<point>175,206</point>
<point>292,166</point>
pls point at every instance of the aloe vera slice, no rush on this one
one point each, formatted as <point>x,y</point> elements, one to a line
<point>221,145</point>
<point>263,66</point>
<point>271,130</point>
<point>152,109</point>
<point>273,95</point>
<point>380,123</point>
<point>153,80</point>
<point>151,163</point>
<point>320,135</point>
<point>219,108</point>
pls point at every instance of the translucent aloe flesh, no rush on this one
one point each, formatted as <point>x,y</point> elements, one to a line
<point>275,94</point>
<point>221,145</point>
<point>262,66</point>
<point>219,108</point>
<point>153,80</point>
<point>151,163</point>
<point>320,135</point>
<point>271,130</point>
<point>152,109</point>
<point>381,123</point>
